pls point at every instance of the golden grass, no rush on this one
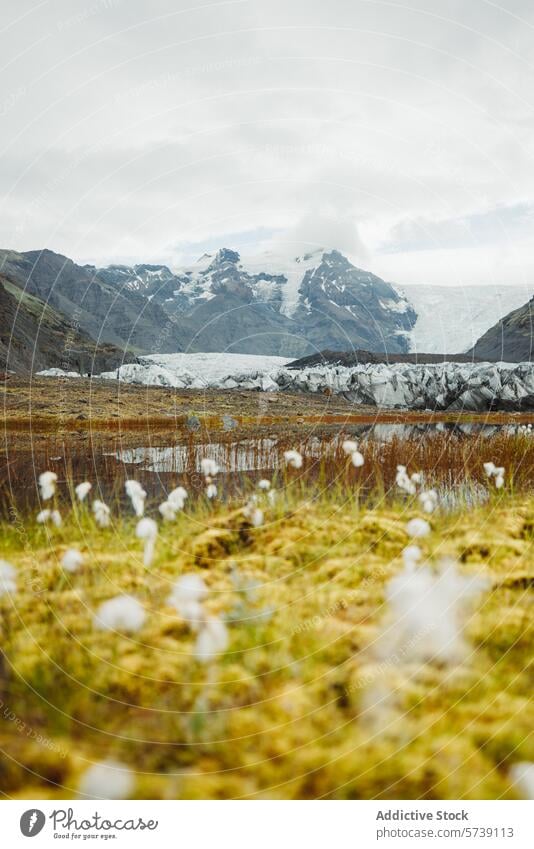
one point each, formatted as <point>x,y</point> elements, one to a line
<point>284,713</point>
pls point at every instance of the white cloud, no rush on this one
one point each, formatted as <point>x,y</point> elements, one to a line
<point>137,131</point>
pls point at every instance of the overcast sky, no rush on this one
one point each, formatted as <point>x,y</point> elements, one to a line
<point>399,132</point>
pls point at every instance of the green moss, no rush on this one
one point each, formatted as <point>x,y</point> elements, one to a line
<point>287,711</point>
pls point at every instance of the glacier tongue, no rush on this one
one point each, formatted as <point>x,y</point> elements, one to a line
<point>453,318</point>
<point>444,386</point>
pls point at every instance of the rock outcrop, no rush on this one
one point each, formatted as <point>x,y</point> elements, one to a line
<point>511,339</point>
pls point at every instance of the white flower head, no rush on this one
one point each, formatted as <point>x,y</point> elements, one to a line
<point>101,513</point>
<point>209,467</point>
<point>256,517</point>
<point>489,468</point>
<point>293,458</point>
<point>178,497</point>
<point>264,484</point>
<point>522,775</point>
<point>47,484</point>
<point>53,516</point>
<point>147,530</point>
<point>137,495</point>
<point>7,578</point>
<point>496,472</point>
<point>211,491</point>
<point>82,490</point>
<point>122,613</point>
<point>72,560</point>
<point>168,510</point>
<point>357,459</point>
<point>428,500</point>
<point>187,596</point>
<point>349,446</point>
<point>418,528</point>
<point>411,555</point>
<point>212,639</point>
<point>108,779</point>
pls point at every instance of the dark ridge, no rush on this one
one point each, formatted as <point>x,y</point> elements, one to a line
<point>360,357</point>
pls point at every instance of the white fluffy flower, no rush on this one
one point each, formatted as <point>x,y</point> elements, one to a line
<point>121,613</point>
<point>411,555</point>
<point>147,530</point>
<point>211,491</point>
<point>53,516</point>
<point>209,467</point>
<point>168,510</point>
<point>357,459</point>
<point>108,779</point>
<point>256,517</point>
<point>187,596</point>
<point>72,560</point>
<point>427,612</point>
<point>47,484</point>
<point>178,497</point>
<point>496,472</point>
<point>101,513</point>
<point>293,458</point>
<point>212,639</point>
<point>272,495</point>
<point>428,500</point>
<point>264,484</point>
<point>522,775</point>
<point>349,446</point>
<point>7,578</point>
<point>82,490</point>
<point>406,482</point>
<point>137,495</point>
<point>418,528</point>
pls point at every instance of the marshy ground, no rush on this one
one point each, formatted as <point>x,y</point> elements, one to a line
<point>300,705</point>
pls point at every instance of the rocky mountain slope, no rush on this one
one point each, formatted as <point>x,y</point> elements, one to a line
<point>511,339</point>
<point>34,336</point>
<point>107,312</point>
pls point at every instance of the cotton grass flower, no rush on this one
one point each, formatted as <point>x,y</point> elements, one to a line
<point>293,458</point>
<point>411,555</point>
<point>108,779</point>
<point>428,499</point>
<point>495,472</point>
<point>418,528</point>
<point>178,496</point>
<point>212,639</point>
<point>357,459</point>
<point>7,578</point>
<point>137,495</point>
<point>187,596</point>
<point>427,612</point>
<point>211,491</point>
<point>264,485</point>
<point>52,516</point>
<point>47,485</point>
<point>349,446</point>
<point>168,510</point>
<point>255,515</point>
<point>209,467</point>
<point>102,513</point>
<point>122,613</point>
<point>408,483</point>
<point>147,530</point>
<point>82,490</point>
<point>522,775</point>
<point>72,560</point>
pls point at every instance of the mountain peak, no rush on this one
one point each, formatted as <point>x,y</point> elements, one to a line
<point>226,255</point>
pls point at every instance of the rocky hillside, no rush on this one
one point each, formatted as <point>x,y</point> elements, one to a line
<point>290,309</point>
<point>106,311</point>
<point>511,339</point>
<point>34,336</point>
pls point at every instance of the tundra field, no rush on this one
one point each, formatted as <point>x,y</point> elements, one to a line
<point>291,598</point>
